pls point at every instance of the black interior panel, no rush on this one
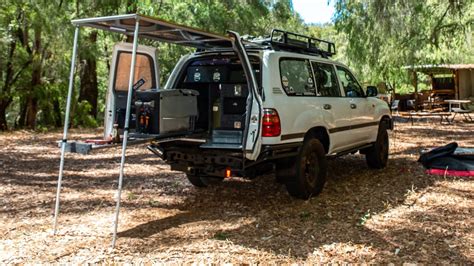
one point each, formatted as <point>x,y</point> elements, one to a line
<point>121,109</point>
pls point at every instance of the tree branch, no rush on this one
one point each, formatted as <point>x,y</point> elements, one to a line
<point>434,33</point>
<point>159,8</point>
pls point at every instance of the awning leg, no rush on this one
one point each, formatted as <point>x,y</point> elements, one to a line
<point>126,129</point>
<point>66,126</point>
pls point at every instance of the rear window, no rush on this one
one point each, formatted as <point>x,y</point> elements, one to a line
<point>143,70</point>
<point>296,77</point>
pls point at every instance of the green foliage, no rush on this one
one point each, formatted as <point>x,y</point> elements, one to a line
<point>22,20</point>
<point>367,215</point>
<point>221,236</point>
<point>385,35</point>
<point>82,115</point>
<point>376,38</point>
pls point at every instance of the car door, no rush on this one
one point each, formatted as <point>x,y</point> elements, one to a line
<point>361,110</point>
<point>146,78</point>
<point>332,105</point>
<point>254,113</point>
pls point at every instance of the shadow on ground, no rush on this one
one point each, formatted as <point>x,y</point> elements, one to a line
<point>274,221</point>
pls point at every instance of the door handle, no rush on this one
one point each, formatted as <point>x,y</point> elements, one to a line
<point>327,107</point>
<point>353,106</point>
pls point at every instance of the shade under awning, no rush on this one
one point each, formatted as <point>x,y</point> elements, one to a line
<point>158,30</point>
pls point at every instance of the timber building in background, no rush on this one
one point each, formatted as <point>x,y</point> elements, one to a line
<point>454,81</point>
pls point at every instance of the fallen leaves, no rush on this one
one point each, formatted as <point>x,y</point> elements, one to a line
<point>397,214</point>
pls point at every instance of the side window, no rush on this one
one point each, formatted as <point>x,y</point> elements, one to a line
<point>143,70</point>
<point>296,77</point>
<point>349,83</point>
<point>326,81</point>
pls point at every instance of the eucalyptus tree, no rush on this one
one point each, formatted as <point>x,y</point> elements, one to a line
<point>384,35</point>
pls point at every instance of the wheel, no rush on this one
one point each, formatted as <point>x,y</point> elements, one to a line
<point>285,170</point>
<point>377,155</point>
<point>203,181</point>
<point>310,169</point>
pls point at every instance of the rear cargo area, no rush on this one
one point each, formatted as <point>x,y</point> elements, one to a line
<point>221,101</point>
<point>208,102</point>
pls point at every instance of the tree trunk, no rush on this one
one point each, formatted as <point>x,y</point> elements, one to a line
<point>22,119</point>
<point>5,94</point>
<point>3,116</point>
<point>57,113</point>
<point>31,110</point>
<point>89,88</point>
<point>32,99</point>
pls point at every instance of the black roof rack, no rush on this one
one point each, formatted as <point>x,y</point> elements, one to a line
<point>294,42</point>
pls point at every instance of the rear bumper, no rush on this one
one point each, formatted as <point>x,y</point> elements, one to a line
<point>195,160</point>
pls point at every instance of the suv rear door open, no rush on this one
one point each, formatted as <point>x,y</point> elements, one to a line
<point>153,112</point>
<point>252,133</point>
<point>146,78</point>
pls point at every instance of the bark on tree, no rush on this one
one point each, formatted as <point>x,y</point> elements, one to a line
<point>57,113</point>
<point>3,116</point>
<point>5,96</point>
<point>89,86</point>
<point>22,115</point>
<point>32,99</point>
<point>10,79</point>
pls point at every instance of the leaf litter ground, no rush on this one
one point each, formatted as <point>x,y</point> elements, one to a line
<point>398,214</point>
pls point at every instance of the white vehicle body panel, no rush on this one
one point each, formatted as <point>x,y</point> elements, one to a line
<point>298,114</point>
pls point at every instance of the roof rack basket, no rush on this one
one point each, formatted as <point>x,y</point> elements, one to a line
<point>284,40</point>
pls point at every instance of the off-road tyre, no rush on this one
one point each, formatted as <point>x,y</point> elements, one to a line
<point>203,181</point>
<point>285,170</point>
<point>377,155</point>
<point>310,170</point>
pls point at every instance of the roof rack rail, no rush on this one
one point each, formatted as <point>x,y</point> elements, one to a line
<point>294,42</point>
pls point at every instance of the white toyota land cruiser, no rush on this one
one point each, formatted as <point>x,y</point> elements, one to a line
<point>276,104</point>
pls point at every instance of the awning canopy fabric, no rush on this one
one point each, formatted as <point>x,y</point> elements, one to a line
<point>158,30</point>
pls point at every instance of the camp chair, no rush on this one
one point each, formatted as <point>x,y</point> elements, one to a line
<point>394,106</point>
<point>411,104</point>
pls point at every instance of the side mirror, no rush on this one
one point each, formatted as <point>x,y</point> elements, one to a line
<point>372,91</point>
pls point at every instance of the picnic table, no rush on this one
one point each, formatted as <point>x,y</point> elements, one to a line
<point>460,110</point>
<point>444,116</point>
<point>458,102</point>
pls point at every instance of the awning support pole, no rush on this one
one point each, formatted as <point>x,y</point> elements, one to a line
<point>66,127</point>
<point>126,129</point>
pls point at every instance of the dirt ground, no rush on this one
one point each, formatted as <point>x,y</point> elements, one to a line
<point>398,214</point>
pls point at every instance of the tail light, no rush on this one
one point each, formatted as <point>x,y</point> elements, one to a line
<point>271,126</point>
